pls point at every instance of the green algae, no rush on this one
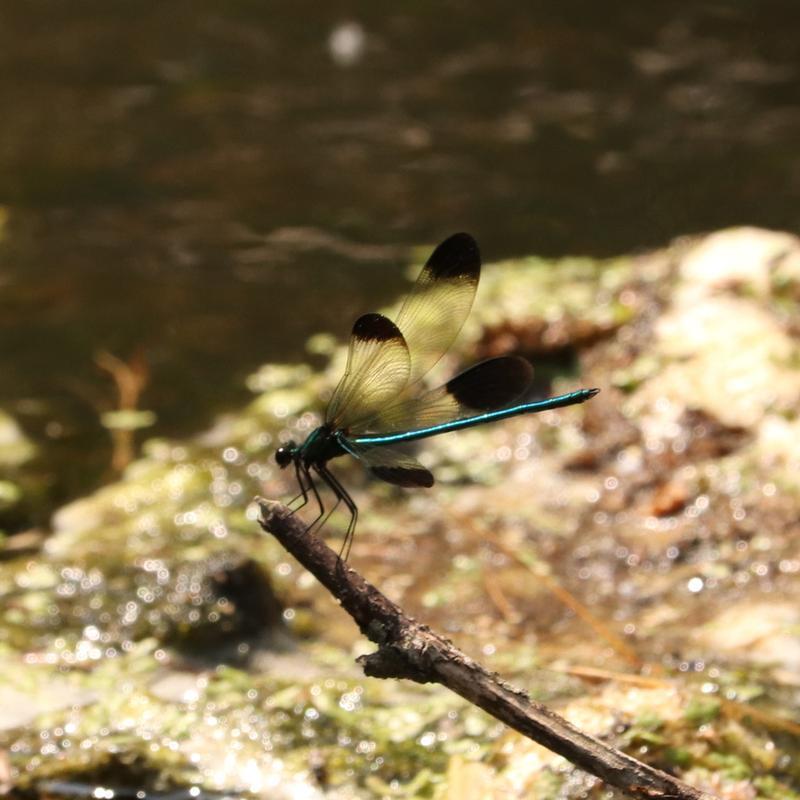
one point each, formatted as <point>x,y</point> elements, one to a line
<point>16,449</point>
<point>702,711</point>
<point>349,724</point>
<point>19,484</point>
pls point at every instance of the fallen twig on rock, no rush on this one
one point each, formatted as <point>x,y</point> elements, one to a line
<point>408,649</point>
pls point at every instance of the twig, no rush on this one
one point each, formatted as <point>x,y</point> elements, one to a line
<point>131,377</point>
<point>567,599</point>
<point>604,675</point>
<point>499,600</point>
<point>408,649</point>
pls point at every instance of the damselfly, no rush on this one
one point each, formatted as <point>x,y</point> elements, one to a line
<point>379,403</point>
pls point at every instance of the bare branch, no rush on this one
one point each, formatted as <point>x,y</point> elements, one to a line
<point>408,649</point>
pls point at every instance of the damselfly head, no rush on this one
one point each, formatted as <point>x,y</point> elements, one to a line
<point>285,455</point>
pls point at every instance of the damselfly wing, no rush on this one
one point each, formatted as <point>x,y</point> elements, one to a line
<point>378,404</point>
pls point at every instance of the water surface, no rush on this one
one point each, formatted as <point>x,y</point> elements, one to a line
<point>213,183</point>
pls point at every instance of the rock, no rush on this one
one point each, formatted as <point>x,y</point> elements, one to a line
<point>223,602</point>
<point>667,506</point>
<point>21,707</point>
<point>762,633</point>
<point>727,356</point>
<point>750,260</point>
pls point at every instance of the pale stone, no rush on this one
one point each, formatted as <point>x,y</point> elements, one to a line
<point>739,257</point>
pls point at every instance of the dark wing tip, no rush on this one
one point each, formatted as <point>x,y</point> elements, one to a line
<point>375,327</point>
<point>403,476</point>
<point>457,256</point>
<point>492,384</point>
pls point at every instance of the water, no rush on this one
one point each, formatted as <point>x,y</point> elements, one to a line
<point>213,183</point>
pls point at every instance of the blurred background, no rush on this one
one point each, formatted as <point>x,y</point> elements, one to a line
<point>190,191</point>
<point>198,187</point>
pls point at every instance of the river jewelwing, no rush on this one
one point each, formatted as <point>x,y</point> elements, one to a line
<point>379,402</point>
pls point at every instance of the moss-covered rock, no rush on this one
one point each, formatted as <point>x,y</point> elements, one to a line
<point>650,530</point>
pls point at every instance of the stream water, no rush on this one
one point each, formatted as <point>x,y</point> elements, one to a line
<point>214,183</point>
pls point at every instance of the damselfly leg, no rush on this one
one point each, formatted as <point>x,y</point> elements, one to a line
<point>342,494</point>
<point>312,487</point>
<point>317,522</point>
<point>303,490</point>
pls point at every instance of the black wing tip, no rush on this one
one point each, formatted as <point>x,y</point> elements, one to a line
<point>461,239</point>
<point>375,327</point>
<point>523,367</point>
<point>492,383</point>
<point>403,476</point>
<point>457,256</point>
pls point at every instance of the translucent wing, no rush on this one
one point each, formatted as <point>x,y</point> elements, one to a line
<point>486,386</point>
<point>378,367</point>
<point>434,311</point>
<point>392,466</point>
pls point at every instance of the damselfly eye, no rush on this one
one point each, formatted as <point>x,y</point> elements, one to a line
<point>283,455</point>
